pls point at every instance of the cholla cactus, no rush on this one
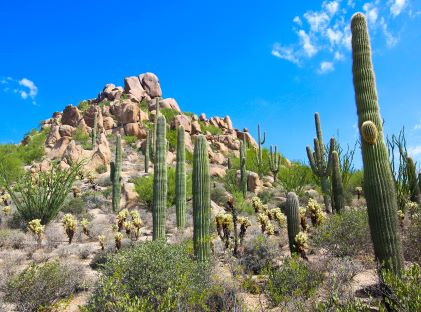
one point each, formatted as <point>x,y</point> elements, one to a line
<point>137,224</point>
<point>70,225</point>
<point>118,238</point>
<point>101,239</point>
<point>37,229</point>
<point>4,199</point>
<point>263,219</point>
<point>257,204</point>
<point>401,216</point>
<point>303,219</point>
<point>411,207</point>
<point>270,229</point>
<point>134,214</point>
<point>227,227</point>
<point>301,241</point>
<point>85,223</point>
<point>219,218</point>
<point>121,218</point>
<point>90,176</point>
<point>244,224</point>
<point>358,191</point>
<point>279,217</point>
<point>7,210</point>
<point>316,213</point>
<point>128,226</point>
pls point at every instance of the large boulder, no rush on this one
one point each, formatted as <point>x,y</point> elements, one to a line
<point>135,129</point>
<point>246,137</point>
<point>150,83</point>
<point>89,116</point>
<point>228,122</point>
<point>102,153</point>
<point>71,116</point>
<point>130,113</point>
<point>72,153</point>
<point>53,136</point>
<point>59,147</point>
<point>110,93</point>
<point>253,182</point>
<point>109,123</point>
<point>133,86</point>
<point>169,103</point>
<point>195,128</point>
<point>66,130</point>
<point>181,120</point>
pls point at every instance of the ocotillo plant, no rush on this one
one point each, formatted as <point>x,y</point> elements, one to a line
<point>146,152</point>
<point>243,169</point>
<point>94,130</point>
<point>338,200</point>
<point>412,180</point>
<point>292,211</point>
<point>115,175</point>
<point>180,180</point>
<point>318,162</point>
<point>201,199</point>
<point>259,152</point>
<point>160,180</point>
<point>274,162</point>
<point>379,187</point>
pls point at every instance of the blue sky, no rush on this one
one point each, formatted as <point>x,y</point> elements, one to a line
<point>268,62</point>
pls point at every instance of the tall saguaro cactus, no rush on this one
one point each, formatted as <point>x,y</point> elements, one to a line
<point>412,180</point>
<point>160,186</point>
<point>338,200</point>
<point>146,151</point>
<point>115,175</point>
<point>180,180</point>
<point>243,169</point>
<point>379,187</point>
<point>292,210</point>
<point>153,149</point>
<point>201,199</point>
<point>95,129</point>
<point>274,162</point>
<point>259,153</point>
<point>318,162</point>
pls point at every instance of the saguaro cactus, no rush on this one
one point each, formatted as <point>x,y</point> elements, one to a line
<point>243,169</point>
<point>292,210</point>
<point>412,180</point>
<point>180,180</point>
<point>201,199</point>
<point>153,149</point>
<point>146,151</point>
<point>274,162</point>
<point>115,175</point>
<point>259,152</point>
<point>379,187</point>
<point>160,186</point>
<point>318,162</point>
<point>95,130</point>
<point>338,200</point>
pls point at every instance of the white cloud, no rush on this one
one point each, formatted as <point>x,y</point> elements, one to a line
<point>326,67</point>
<point>286,53</point>
<point>371,11</point>
<point>24,87</point>
<point>335,36</point>
<point>318,21</point>
<point>33,89</point>
<point>297,20</point>
<point>309,49</point>
<point>397,7</point>
<point>417,126</point>
<point>331,7</point>
<point>414,151</point>
<point>390,39</point>
<point>338,56</point>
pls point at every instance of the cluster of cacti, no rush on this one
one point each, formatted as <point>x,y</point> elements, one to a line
<point>201,199</point>
<point>301,244</point>
<point>146,151</point>
<point>257,204</point>
<point>224,227</point>
<point>413,180</point>
<point>379,186</point>
<point>401,217</point>
<point>160,180</point>
<point>121,218</point>
<point>315,211</point>
<point>274,162</point>
<point>85,227</point>
<point>277,215</point>
<point>118,237</point>
<point>303,219</point>
<point>7,210</point>
<point>70,225</point>
<point>37,229</point>
<point>259,153</point>
<point>338,200</point>
<point>115,174</point>
<point>101,240</point>
<point>292,210</point>
<point>94,130</point>
<point>180,180</point>
<point>243,169</point>
<point>319,162</point>
<point>265,224</point>
<point>90,177</point>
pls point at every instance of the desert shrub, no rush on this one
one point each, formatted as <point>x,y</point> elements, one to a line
<point>212,129</point>
<point>189,157</point>
<point>295,178</point>
<point>144,188</point>
<point>231,182</point>
<point>355,180</point>
<point>83,106</point>
<point>81,136</point>
<point>219,195</point>
<point>40,286</point>
<point>336,304</point>
<point>12,239</point>
<point>130,139</point>
<point>41,195</point>
<point>143,105</point>
<point>133,280</point>
<point>169,114</point>
<point>74,206</point>
<point>412,238</point>
<point>344,234</point>
<point>258,254</point>
<point>172,138</point>
<point>402,293</point>
<point>295,278</point>
<point>101,169</point>
<point>12,165</point>
<point>265,196</point>
<point>242,205</point>
<point>188,114</point>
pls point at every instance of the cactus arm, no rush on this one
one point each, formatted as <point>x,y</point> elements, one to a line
<point>180,183</point>
<point>310,157</point>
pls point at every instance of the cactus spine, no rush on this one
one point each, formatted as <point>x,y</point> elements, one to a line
<point>318,163</point>
<point>115,175</point>
<point>259,153</point>
<point>338,200</point>
<point>379,187</point>
<point>293,220</point>
<point>201,199</point>
<point>95,130</point>
<point>274,162</point>
<point>243,169</point>
<point>160,186</point>
<point>412,180</point>
<point>180,180</point>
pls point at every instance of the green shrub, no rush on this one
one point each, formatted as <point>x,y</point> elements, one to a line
<point>133,280</point>
<point>130,139</point>
<point>258,254</point>
<point>83,106</point>
<point>295,178</point>
<point>143,105</point>
<point>104,103</point>
<point>83,138</point>
<point>188,114</point>
<point>101,169</point>
<point>295,278</point>
<point>219,195</point>
<point>231,183</point>
<point>355,179</point>
<point>412,238</point>
<point>344,234</point>
<point>41,286</point>
<point>75,206</point>
<point>212,129</point>
<point>172,138</point>
<point>169,114</point>
<point>144,188</point>
<point>12,238</point>
<point>265,196</point>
